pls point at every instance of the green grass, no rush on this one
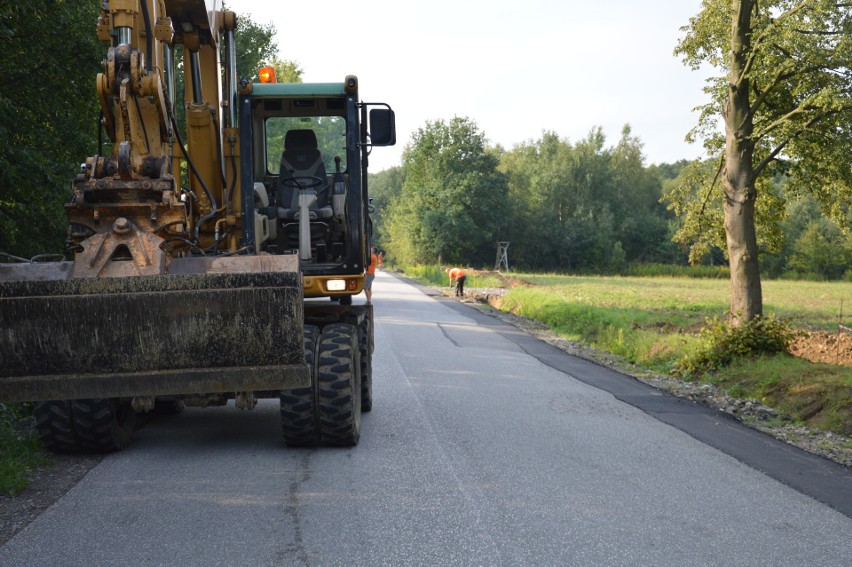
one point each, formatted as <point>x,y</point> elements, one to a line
<point>21,451</point>
<point>435,275</point>
<point>817,394</point>
<point>654,270</point>
<point>642,335</point>
<point>806,305</point>
<point>431,275</point>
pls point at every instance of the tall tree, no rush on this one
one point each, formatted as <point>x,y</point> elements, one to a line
<point>642,228</point>
<point>48,116</point>
<point>385,188</point>
<point>786,102</point>
<point>287,71</point>
<point>583,206</point>
<point>453,200</point>
<point>256,47</point>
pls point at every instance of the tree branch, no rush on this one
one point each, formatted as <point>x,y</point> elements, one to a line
<point>779,121</point>
<point>774,153</point>
<point>816,32</point>
<point>780,76</point>
<point>712,184</point>
<point>773,22</point>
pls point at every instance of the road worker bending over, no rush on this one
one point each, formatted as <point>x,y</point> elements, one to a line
<point>458,276</point>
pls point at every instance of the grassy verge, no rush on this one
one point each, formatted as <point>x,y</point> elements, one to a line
<point>20,449</point>
<point>435,275</point>
<point>819,395</point>
<point>655,322</point>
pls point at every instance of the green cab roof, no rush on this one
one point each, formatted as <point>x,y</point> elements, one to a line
<point>297,89</point>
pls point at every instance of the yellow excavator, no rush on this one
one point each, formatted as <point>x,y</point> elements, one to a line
<point>211,262</point>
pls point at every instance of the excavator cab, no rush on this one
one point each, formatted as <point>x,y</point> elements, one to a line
<point>312,198</point>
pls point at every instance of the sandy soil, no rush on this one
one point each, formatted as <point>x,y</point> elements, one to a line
<point>831,348</point>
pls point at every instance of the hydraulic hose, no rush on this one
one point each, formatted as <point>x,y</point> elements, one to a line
<point>148,34</point>
<point>213,206</point>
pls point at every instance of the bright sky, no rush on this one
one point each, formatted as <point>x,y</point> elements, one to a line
<point>515,68</point>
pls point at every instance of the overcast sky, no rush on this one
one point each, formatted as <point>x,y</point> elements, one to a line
<point>515,68</point>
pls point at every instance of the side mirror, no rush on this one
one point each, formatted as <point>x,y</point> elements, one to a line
<point>382,127</point>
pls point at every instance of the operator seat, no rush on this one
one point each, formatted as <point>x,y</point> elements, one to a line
<point>302,160</point>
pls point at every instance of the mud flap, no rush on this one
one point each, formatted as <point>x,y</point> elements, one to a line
<point>211,325</point>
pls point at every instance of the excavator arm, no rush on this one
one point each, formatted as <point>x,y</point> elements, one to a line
<point>158,300</point>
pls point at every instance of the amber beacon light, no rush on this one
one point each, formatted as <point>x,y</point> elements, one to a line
<point>267,75</point>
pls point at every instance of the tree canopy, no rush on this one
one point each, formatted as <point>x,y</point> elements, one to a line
<point>584,206</point>
<point>452,203</point>
<point>562,206</point>
<point>784,91</point>
<point>48,116</point>
<point>256,48</point>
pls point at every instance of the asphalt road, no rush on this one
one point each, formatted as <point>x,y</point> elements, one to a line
<point>483,448</point>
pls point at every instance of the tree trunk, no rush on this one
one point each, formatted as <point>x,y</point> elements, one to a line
<point>738,180</point>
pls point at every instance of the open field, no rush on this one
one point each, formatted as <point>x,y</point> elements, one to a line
<point>806,305</point>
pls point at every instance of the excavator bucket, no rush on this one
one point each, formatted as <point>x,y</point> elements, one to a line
<point>211,325</point>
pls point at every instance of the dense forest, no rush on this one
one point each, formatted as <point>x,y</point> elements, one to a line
<point>584,206</point>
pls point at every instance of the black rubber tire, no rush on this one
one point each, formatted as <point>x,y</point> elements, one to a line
<point>299,420</point>
<point>365,343</point>
<point>339,385</point>
<point>55,426</point>
<point>90,425</point>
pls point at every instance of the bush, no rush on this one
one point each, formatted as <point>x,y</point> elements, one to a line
<point>19,447</point>
<point>723,342</point>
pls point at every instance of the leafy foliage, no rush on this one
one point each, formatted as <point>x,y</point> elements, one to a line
<point>49,110</point>
<point>696,198</point>
<point>453,200</point>
<point>385,187</point>
<point>255,48</point>
<point>588,208</point>
<point>584,206</point>
<point>287,71</point>
<point>822,250</point>
<point>723,342</point>
<point>798,69</point>
<point>48,116</point>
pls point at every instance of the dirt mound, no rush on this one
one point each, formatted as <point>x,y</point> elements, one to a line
<point>830,348</point>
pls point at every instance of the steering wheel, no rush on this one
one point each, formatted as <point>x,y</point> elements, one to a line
<point>302,182</point>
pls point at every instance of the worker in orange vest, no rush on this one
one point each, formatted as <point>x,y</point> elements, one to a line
<point>370,275</point>
<point>457,275</point>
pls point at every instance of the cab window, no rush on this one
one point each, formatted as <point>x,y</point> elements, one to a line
<point>330,132</point>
